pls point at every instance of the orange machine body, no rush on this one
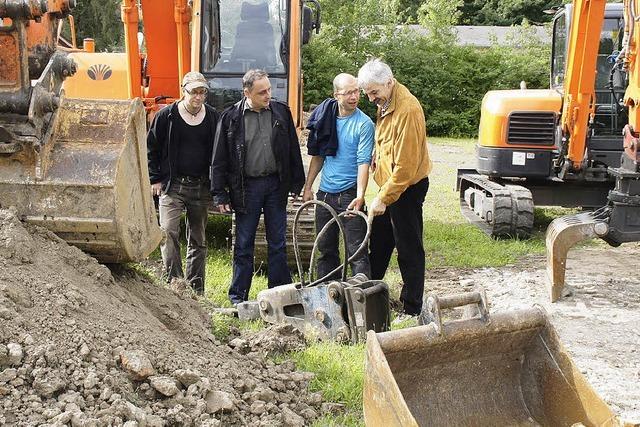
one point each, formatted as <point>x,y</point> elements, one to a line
<point>177,33</point>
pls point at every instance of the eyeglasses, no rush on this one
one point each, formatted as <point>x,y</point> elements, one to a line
<point>349,93</point>
<point>198,92</point>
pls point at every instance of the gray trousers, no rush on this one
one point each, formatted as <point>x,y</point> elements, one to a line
<point>194,199</point>
<point>355,229</point>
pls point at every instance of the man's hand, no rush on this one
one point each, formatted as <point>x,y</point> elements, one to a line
<point>225,209</point>
<point>377,207</point>
<point>356,204</point>
<point>294,197</point>
<point>156,189</point>
<point>307,195</point>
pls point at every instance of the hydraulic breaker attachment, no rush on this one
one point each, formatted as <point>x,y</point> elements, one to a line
<point>564,233</point>
<point>341,311</point>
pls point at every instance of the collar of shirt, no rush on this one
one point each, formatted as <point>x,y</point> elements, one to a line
<point>248,107</point>
<point>386,105</point>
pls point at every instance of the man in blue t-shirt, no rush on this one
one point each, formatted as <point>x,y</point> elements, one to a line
<point>341,142</point>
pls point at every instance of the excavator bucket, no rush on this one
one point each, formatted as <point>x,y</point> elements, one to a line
<point>509,369</point>
<point>87,180</point>
<point>564,233</point>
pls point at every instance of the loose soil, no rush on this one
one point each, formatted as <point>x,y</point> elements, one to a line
<point>85,345</point>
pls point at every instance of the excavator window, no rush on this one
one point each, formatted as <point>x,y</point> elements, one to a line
<point>251,33</point>
<point>607,120</point>
<point>558,61</point>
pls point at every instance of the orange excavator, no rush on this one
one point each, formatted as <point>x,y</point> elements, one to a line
<point>618,221</point>
<point>73,122</point>
<point>75,166</point>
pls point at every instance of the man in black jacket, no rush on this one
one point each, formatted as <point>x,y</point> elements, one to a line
<point>256,165</point>
<point>179,144</point>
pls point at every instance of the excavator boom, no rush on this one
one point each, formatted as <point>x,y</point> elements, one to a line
<point>619,220</point>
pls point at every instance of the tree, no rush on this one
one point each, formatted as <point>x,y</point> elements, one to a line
<point>439,16</point>
<point>100,20</point>
<point>505,12</point>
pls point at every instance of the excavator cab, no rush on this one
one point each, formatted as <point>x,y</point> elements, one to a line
<point>609,116</point>
<point>241,35</point>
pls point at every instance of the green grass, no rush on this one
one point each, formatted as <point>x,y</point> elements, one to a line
<point>465,246</point>
<point>218,278</point>
<point>339,377</point>
<point>452,142</point>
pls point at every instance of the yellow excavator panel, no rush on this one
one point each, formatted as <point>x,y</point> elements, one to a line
<point>498,105</point>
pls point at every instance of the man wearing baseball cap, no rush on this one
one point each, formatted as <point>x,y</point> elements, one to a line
<point>180,144</point>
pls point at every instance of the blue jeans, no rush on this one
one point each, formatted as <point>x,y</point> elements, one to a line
<point>261,196</point>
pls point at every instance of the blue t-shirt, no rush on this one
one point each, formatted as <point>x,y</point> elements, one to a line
<point>355,145</point>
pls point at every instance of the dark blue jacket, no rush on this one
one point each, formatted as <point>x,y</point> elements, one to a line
<point>229,155</point>
<point>323,135</point>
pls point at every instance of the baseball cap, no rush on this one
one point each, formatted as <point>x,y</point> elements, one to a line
<point>193,80</point>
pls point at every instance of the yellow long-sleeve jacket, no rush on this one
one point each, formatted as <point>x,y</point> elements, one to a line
<point>402,156</point>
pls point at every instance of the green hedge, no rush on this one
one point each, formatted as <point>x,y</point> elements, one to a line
<point>449,80</point>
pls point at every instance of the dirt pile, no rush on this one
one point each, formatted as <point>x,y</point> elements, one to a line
<point>83,345</point>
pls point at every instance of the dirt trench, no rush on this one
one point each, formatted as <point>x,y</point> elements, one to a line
<point>85,345</point>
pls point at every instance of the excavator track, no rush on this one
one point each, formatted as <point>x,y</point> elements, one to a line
<point>501,211</point>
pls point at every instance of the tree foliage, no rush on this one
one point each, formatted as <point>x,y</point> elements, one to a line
<point>100,20</point>
<point>449,80</point>
<point>505,12</point>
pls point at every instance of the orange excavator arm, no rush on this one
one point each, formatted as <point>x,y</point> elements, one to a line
<point>155,75</point>
<point>618,221</point>
<point>578,102</point>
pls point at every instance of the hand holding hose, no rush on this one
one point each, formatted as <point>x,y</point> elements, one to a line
<point>378,207</point>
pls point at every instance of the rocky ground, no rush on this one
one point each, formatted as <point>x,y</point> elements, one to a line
<point>83,345</point>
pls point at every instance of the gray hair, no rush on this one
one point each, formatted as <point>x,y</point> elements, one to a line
<point>341,80</point>
<point>251,76</point>
<point>374,72</point>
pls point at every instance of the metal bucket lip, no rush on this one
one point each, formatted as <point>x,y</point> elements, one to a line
<point>533,318</point>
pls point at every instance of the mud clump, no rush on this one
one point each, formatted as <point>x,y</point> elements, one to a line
<point>85,345</point>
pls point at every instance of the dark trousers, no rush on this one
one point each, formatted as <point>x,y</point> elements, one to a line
<point>400,227</point>
<point>261,196</point>
<point>192,197</point>
<point>355,229</point>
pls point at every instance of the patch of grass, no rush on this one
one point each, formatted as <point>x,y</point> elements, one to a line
<point>221,325</point>
<point>218,279</point>
<point>455,142</point>
<point>347,420</point>
<point>464,245</point>
<point>339,373</point>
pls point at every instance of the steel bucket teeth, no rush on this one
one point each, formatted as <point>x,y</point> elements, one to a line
<point>564,233</point>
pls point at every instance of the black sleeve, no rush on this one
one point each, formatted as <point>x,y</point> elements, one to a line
<point>156,145</point>
<point>295,158</point>
<point>219,170</point>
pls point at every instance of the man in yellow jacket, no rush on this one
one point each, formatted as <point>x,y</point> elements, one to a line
<point>401,167</point>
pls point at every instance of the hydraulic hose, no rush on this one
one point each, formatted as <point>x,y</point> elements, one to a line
<point>335,219</point>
